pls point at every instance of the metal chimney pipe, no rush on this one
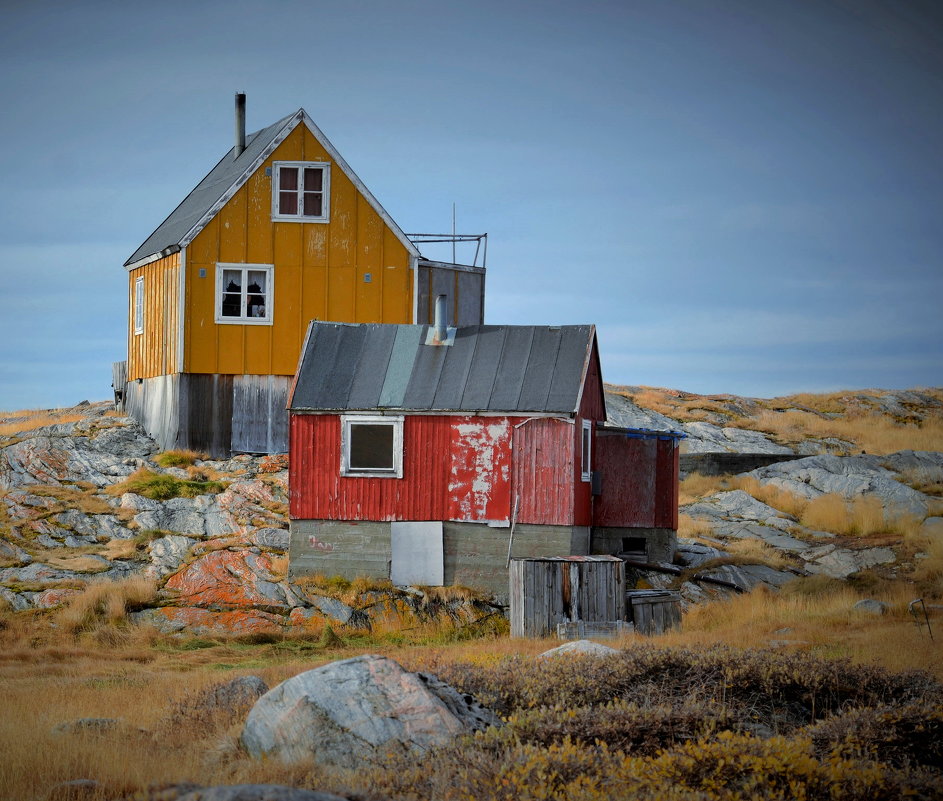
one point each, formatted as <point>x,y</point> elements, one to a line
<point>441,322</point>
<point>240,125</point>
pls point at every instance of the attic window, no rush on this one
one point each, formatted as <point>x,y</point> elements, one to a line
<point>301,191</point>
<point>371,446</point>
<point>244,293</point>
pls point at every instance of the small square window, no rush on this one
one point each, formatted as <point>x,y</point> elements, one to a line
<point>301,191</point>
<point>244,293</point>
<point>371,445</point>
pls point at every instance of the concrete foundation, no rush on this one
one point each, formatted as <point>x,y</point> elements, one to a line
<point>475,555</point>
<point>648,544</point>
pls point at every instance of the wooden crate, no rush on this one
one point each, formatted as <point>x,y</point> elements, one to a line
<point>653,611</point>
<point>562,589</point>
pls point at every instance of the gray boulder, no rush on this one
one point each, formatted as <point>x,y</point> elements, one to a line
<point>353,711</point>
<point>579,647</point>
<point>871,607</point>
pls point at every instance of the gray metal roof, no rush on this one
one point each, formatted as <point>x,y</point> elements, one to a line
<point>228,172</point>
<point>494,368</point>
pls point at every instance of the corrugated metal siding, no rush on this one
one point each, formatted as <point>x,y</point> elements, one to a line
<point>543,471</point>
<point>154,352</point>
<point>457,468</point>
<point>447,462</point>
<point>639,482</point>
<point>666,504</point>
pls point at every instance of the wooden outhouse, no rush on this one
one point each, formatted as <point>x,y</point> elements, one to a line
<point>279,232</point>
<point>431,455</point>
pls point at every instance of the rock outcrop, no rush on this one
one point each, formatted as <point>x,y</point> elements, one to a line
<point>355,711</point>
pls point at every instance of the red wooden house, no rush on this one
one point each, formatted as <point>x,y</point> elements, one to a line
<point>427,455</point>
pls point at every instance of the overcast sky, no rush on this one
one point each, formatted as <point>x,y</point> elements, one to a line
<point>743,196</point>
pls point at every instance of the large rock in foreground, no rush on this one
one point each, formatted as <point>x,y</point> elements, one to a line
<point>358,710</point>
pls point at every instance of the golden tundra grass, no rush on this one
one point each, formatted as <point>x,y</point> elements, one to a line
<point>137,676</point>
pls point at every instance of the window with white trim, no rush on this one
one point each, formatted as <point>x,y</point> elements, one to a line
<point>139,305</point>
<point>244,293</point>
<point>301,191</point>
<point>586,451</point>
<point>371,446</point>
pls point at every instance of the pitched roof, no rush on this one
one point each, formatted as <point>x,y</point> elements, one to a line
<point>228,176</point>
<point>494,368</point>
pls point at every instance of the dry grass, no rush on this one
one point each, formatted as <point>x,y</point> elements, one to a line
<point>696,486</point>
<point>757,552</point>
<point>816,613</point>
<point>106,603</point>
<point>862,517</point>
<point>79,563</point>
<point>179,458</point>
<point>771,495</point>
<point>36,419</point>
<point>691,528</point>
<point>872,433</point>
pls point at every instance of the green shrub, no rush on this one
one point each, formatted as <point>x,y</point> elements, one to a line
<point>163,487</point>
<point>178,458</point>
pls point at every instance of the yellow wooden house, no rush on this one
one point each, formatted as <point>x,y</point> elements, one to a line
<point>280,232</point>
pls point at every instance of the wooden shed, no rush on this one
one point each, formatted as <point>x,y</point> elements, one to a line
<point>280,231</point>
<point>548,591</point>
<point>429,458</point>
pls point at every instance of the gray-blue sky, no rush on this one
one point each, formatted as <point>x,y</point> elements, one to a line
<point>743,196</point>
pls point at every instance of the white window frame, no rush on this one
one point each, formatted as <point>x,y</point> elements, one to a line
<point>139,305</point>
<point>269,293</point>
<point>372,419</point>
<point>325,215</point>
<point>586,451</point>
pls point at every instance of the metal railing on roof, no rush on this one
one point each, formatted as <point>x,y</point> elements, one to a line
<point>480,240</point>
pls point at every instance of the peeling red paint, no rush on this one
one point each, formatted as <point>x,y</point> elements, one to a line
<point>480,475</point>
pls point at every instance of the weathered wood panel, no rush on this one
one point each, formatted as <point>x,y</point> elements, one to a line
<point>549,591</point>
<point>259,416</point>
<point>464,290</point>
<point>155,404</point>
<point>654,611</point>
<point>206,413</point>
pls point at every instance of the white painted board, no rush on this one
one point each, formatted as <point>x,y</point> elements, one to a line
<point>418,555</point>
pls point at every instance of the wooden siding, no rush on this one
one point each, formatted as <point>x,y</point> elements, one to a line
<point>154,351</point>
<point>321,271</point>
<point>639,481</point>
<point>462,468</point>
<point>546,592</point>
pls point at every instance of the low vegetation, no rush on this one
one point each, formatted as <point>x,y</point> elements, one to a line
<point>163,487</point>
<point>680,716</point>
<point>178,458</point>
<point>855,418</point>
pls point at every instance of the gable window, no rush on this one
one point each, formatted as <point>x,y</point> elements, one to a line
<point>301,191</point>
<point>139,305</point>
<point>586,453</point>
<point>371,445</point>
<point>244,293</point>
